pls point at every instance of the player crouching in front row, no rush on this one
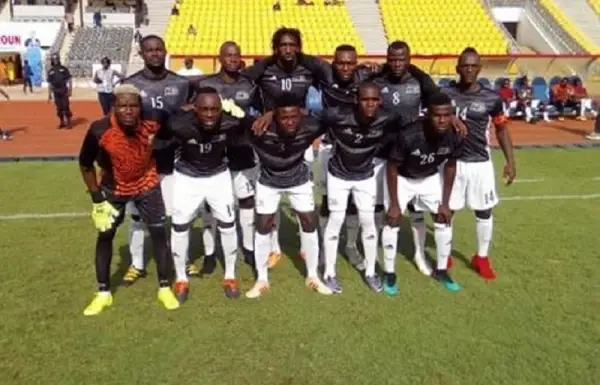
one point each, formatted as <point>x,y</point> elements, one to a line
<point>413,176</point>
<point>121,144</point>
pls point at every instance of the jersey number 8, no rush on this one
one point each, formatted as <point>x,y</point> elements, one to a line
<point>427,159</point>
<point>157,102</point>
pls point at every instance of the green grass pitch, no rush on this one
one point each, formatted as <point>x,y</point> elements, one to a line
<point>537,324</point>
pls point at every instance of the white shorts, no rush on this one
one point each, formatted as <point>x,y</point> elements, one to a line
<point>166,189</point>
<point>425,194</point>
<point>244,182</point>
<point>190,193</point>
<point>301,198</point>
<point>363,191</point>
<point>380,177</point>
<point>474,186</point>
<point>323,160</point>
<point>309,155</point>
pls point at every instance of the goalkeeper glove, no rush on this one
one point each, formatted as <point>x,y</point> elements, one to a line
<point>103,213</point>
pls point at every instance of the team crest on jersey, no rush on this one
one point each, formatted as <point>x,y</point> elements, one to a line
<point>300,78</point>
<point>477,107</point>
<point>416,152</point>
<point>413,89</point>
<point>192,141</point>
<point>443,151</point>
<point>171,91</point>
<point>385,90</point>
<point>242,95</point>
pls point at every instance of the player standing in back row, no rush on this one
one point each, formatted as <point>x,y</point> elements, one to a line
<point>232,85</point>
<point>475,184</point>
<point>162,92</point>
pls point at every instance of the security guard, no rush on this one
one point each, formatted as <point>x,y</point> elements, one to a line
<point>60,86</point>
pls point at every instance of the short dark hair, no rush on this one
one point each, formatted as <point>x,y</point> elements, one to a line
<point>398,45</point>
<point>227,44</point>
<point>150,37</point>
<point>206,91</point>
<point>469,50</point>
<point>287,100</point>
<point>345,48</point>
<point>438,99</point>
<point>281,32</point>
<point>368,84</point>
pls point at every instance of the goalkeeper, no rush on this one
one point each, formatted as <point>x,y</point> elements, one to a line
<point>121,145</point>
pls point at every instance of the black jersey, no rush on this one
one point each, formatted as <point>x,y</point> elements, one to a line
<point>202,152</point>
<point>274,82</point>
<point>354,144</point>
<point>58,78</point>
<point>281,157</point>
<point>160,99</point>
<point>478,110</point>
<point>245,94</point>
<point>420,156</point>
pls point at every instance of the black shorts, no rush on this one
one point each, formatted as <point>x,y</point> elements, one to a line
<point>150,207</point>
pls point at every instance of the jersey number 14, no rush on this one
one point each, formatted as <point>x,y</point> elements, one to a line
<point>462,113</point>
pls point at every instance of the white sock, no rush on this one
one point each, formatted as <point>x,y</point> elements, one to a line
<point>209,233</point>
<point>275,247</point>
<point>310,245</point>
<point>352,226</point>
<point>443,244</point>
<point>229,244</point>
<point>247,227</point>
<point>419,232</point>
<point>484,229</point>
<point>369,241</point>
<point>180,243</point>
<point>331,240</point>
<point>528,114</point>
<point>136,244</point>
<point>389,241</point>
<point>262,248</point>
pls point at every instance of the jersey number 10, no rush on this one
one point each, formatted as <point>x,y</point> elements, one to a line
<point>286,84</point>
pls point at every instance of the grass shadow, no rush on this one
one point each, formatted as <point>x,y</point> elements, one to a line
<point>289,238</point>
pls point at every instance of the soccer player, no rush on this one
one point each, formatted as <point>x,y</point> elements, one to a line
<point>60,87</point>
<point>201,175</point>
<point>405,91</point>
<point>280,150</point>
<point>4,135</point>
<point>413,176</point>
<point>357,135</point>
<point>231,85</point>
<point>475,184</point>
<point>162,92</point>
<point>121,144</point>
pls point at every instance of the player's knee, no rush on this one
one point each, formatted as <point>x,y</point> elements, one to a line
<point>264,223</point>
<point>246,203</point>
<point>324,208</point>
<point>307,222</point>
<point>483,214</point>
<point>180,228</point>
<point>157,231</point>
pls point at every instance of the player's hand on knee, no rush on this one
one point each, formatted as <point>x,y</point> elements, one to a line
<point>444,214</point>
<point>104,215</point>
<point>262,123</point>
<point>459,127</point>
<point>510,172</point>
<point>394,216</point>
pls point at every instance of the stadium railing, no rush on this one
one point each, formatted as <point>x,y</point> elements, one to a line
<point>585,66</point>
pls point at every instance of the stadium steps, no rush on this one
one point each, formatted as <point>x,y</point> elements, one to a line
<point>571,28</point>
<point>5,12</point>
<point>551,32</point>
<point>513,45</point>
<point>159,12</point>
<point>66,46</point>
<point>583,16</point>
<point>367,21</point>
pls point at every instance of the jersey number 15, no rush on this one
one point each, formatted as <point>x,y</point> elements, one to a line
<point>157,102</point>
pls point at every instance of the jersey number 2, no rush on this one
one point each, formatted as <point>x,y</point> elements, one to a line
<point>157,102</point>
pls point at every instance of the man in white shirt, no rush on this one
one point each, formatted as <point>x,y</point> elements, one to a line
<point>105,79</point>
<point>189,69</point>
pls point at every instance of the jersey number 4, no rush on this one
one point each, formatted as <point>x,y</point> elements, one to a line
<point>427,159</point>
<point>462,113</point>
<point>157,102</point>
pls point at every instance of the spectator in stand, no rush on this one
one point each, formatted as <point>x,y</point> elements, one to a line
<point>189,69</point>
<point>175,10</point>
<point>277,6</point>
<point>581,97</point>
<point>192,30</point>
<point>562,97</point>
<point>70,20</point>
<point>10,70</point>
<point>27,75</point>
<point>105,79</point>
<point>508,96</point>
<point>97,19</point>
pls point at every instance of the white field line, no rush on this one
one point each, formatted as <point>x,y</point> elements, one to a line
<point>516,198</point>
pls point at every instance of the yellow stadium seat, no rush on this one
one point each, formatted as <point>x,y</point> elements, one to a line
<point>442,26</point>
<point>595,4</point>
<point>574,31</point>
<point>251,24</point>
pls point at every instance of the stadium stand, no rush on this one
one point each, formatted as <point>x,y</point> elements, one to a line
<point>39,2</point>
<point>112,6</point>
<point>595,4</point>
<point>442,26</point>
<point>252,23</point>
<point>564,22</point>
<point>92,44</point>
